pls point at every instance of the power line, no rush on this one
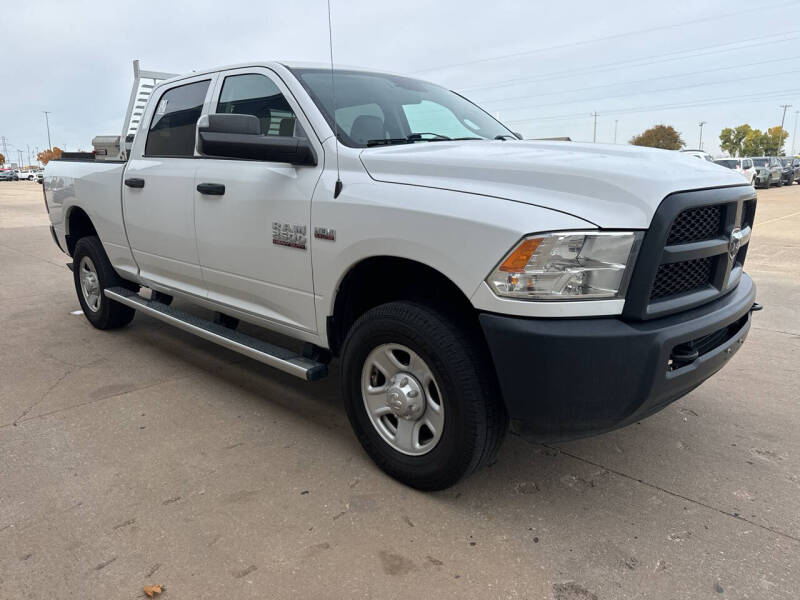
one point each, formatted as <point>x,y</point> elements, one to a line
<point>632,110</point>
<point>668,89</point>
<point>642,61</point>
<point>640,81</point>
<point>615,36</point>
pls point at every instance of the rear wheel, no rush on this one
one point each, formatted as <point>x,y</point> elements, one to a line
<point>93,273</point>
<point>420,396</point>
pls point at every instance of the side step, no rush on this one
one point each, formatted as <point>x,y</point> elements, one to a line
<point>269,354</point>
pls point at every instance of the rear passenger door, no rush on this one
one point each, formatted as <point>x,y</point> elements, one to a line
<point>158,187</point>
<point>254,240</point>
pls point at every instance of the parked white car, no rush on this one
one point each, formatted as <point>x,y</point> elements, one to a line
<point>27,175</point>
<point>467,280</point>
<point>699,154</point>
<point>740,165</point>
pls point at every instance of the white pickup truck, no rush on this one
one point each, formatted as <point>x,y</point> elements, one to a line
<point>466,280</point>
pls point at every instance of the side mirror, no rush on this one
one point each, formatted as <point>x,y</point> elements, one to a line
<point>239,136</point>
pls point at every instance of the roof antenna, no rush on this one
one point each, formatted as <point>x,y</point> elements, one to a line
<point>337,189</point>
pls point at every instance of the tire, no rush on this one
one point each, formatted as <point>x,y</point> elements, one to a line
<point>93,273</point>
<point>460,393</point>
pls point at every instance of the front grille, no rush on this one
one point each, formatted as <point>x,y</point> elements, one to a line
<point>681,277</point>
<point>696,224</point>
<point>685,259</point>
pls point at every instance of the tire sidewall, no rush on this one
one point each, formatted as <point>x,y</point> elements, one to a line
<point>452,452</point>
<point>108,315</point>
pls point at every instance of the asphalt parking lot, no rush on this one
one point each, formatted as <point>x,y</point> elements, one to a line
<point>145,455</point>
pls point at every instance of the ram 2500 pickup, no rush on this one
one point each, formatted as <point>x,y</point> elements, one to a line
<point>468,281</point>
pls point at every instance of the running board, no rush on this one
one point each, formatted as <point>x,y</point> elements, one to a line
<point>275,356</point>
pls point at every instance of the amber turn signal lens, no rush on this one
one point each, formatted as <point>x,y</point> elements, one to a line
<point>518,259</point>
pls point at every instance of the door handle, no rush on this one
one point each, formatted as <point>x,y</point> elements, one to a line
<point>134,182</point>
<point>211,189</point>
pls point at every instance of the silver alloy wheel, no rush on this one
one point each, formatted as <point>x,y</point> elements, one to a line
<point>90,284</point>
<point>402,399</point>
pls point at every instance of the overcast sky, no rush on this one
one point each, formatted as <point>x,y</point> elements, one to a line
<point>542,66</point>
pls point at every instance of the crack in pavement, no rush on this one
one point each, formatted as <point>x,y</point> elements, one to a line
<point>721,511</point>
<point>790,333</point>
<point>43,396</point>
<point>88,402</point>
<point>50,262</point>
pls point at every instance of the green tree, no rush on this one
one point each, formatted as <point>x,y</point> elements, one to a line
<point>731,139</point>
<point>659,136</point>
<point>753,143</point>
<point>773,140</point>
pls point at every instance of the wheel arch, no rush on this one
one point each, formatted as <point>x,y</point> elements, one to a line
<point>380,279</point>
<point>77,224</point>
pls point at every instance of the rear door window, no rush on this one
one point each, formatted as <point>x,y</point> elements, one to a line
<point>172,129</point>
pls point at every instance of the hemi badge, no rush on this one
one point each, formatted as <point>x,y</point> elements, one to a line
<point>324,233</point>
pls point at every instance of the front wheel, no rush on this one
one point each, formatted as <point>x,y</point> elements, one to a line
<point>420,394</point>
<point>93,274</point>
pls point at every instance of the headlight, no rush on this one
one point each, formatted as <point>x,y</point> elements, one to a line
<point>570,265</point>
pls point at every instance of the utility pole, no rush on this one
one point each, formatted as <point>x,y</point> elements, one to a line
<point>794,135</point>
<point>594,135</point>
<point>5,147</point>
<point>701,123</point>
<point>47,120</point>
<point>615,130</point>
<point>783,118</point>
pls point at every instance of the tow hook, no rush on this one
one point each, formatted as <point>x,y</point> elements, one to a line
<point>684,354</point>
<point>756,307</point>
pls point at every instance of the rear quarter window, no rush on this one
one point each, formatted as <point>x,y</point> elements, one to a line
<point>172,128</point>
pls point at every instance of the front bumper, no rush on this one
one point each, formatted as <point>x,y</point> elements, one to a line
<point>569,378</point>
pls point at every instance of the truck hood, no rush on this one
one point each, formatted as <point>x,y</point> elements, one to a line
<point>608,185</point>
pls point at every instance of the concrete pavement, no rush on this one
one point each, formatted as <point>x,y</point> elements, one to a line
<point>145,455</point>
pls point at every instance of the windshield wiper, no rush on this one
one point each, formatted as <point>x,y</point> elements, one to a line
<point>417,137</point>
<point>388,142</point>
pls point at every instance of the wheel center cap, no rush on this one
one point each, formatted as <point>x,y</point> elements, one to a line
<point>404,397</point>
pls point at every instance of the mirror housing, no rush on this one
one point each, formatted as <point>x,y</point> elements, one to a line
<point>226,135</point>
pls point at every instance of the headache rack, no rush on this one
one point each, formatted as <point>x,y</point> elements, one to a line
<point>116,148</point>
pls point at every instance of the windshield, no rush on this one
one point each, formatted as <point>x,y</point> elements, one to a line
<point>374,108</point>
<point>761,162</point>
<point>731,164</point>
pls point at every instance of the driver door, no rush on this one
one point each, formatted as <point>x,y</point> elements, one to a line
<point>245,260</point>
